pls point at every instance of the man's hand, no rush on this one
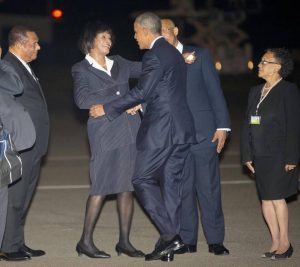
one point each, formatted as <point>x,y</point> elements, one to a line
<point>134,110</point>
<point>250,166</point>
<point>289,167</point>
<point>97,111</point>
<point>220,136</point>
<point>189,57</point>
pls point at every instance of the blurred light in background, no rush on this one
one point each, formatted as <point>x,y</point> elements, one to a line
<point>56,13</point>
<point>218,66</point>
<point>250,65</point>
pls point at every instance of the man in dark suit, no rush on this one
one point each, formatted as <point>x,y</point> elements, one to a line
<point>15,120</point>
<point>164,135</point>
<point>211,119</point>
<point>23,48</point>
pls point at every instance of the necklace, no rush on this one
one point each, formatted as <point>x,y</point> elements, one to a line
<point>264,92</point>
<point>272,85</point>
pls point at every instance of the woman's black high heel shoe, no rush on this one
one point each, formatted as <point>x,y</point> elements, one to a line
<point>284,255</point>
<point>92,254</point>
<point>268,254</point>
<point>134,253</point>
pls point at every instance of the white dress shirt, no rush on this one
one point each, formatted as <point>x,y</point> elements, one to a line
<point>109,63</point>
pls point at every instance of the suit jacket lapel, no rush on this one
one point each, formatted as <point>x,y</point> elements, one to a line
<point>26,73</point>
<point>99,73</point>
<point>115,70</point>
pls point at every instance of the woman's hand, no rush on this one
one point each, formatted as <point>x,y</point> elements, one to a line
<point>189,57</point>
<point>97,111</point>
<point>289,167</point>
<point>250,166</point>
<point>134,110</point>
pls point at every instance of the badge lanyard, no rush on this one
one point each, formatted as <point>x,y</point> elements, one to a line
<point>262,98</point>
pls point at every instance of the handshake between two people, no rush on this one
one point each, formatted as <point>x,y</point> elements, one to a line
<point>98,110</point>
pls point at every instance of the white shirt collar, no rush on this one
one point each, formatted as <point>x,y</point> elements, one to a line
<point>109,63</point>
<point>179,47</point>
<point>153,42</point>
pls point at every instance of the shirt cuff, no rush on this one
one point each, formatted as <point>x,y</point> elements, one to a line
<point>224,129</point>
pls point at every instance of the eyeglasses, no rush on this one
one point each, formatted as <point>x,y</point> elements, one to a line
<point>265,62</point>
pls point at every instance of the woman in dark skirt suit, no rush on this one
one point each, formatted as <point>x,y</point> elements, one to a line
<point>270,145</point>
<point>99,79</point>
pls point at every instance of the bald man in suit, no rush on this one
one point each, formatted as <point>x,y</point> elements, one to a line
<point>211,119</point>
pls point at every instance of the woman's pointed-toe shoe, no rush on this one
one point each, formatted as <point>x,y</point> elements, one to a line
<point>284,255</point>
<point>92,254</point>
<point>130,253</point>
<point>268,254</point>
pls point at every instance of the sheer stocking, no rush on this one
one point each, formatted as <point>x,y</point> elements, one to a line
<point>125,212</point>
<point>94,205</point>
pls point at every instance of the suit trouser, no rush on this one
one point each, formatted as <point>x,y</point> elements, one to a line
<point>19,199</point>
<point>3,210</point>
<point>205,186</point>
<point>157,181</point>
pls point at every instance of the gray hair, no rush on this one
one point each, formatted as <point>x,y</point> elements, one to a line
<point>149,21</point>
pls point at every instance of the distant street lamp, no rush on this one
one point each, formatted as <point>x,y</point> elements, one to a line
<point>57,13</point>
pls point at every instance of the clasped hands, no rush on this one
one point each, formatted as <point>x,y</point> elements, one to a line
<point>98,110</point>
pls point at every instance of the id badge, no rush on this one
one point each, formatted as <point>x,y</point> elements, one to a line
<point>255,120</point>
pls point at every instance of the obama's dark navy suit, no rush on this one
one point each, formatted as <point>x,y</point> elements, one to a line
<point>164,136</point>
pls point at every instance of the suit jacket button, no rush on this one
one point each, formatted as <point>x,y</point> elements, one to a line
<point>118,93</point>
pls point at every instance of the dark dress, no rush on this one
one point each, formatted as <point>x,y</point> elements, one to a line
<point>275,142</point>
<point>112,143</point>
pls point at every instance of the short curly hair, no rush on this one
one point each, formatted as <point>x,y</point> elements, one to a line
<point>283,56</point>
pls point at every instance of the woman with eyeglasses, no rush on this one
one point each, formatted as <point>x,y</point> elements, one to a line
<point>270,145</point>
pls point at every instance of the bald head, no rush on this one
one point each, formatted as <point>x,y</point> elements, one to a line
<point>169,31</point>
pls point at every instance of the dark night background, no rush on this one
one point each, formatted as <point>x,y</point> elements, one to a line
<point>276,25</point>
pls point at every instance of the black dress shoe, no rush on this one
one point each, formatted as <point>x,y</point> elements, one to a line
<point>186,249</point>
<point>14,256</point>
<point>268,254</point>
<point>165,249</point>
<point>284,255</point>
<point>168,257</point>
<point>32,252</point>
<point>218,249</point>
<point>92,254</point>
<point>130,253</point>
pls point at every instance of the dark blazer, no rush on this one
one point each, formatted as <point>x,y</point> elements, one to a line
<point>13,116</point>
<point>204,95</point>
<point>34,101</point>
<point>279,129</point>
<point>162,86</point>
<point>92,86</point>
